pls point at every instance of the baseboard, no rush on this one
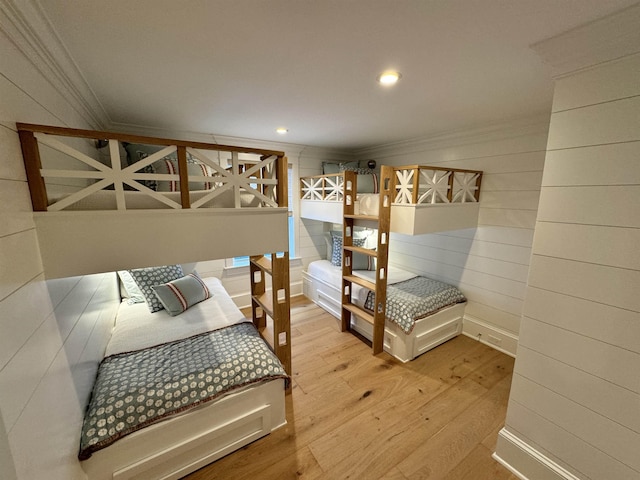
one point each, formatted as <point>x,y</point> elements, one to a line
<point>525,462</point>
<point>490,335</point>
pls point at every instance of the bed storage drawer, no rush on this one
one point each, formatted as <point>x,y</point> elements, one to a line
<point>324,295</point>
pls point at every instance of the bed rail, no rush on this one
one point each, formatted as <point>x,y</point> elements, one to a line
<point>413,185</point>
<point>263,180</point>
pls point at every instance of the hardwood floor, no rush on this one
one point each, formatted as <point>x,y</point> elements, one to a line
<point>355,416</point>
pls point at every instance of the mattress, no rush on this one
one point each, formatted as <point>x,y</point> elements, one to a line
<point>137,328</point>
<point>327,272</point>
<point>158,366</point>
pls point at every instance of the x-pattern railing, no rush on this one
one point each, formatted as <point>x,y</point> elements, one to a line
<point>414,185</point>
<point>258,179</point>
<point>322,187</point>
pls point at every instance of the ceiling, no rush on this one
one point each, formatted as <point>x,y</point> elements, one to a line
<point>242,68</point>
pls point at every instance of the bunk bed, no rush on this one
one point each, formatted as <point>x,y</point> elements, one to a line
<point>91,216</point>
<point>411,200</point>
<point>178,391</point>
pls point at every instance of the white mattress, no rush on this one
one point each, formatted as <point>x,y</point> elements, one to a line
<point>137,328</point>
<point>327,272</point>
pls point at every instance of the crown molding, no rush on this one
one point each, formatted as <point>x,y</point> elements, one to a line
<point>27,26</point>
<point>605,39</point>
<point>536,124</point>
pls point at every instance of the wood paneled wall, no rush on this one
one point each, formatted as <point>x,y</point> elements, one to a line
<point>490,263</point>
<point>575,397</point>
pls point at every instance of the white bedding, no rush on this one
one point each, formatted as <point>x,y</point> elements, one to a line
<point>137,328</point>
<point>329,273</point>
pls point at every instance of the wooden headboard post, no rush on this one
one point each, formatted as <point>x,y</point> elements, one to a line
<point>32,165</point>
<point>184,176</point>
<point>283,168</point>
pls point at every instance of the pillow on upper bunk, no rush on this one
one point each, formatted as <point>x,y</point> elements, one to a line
<point>147,278</point>
<point>167,165</point>
<point>178,295</point>
<point>329,168</point>
<point>367,178</point>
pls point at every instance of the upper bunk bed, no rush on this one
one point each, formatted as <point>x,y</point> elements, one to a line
<point>108,201</point>
<point>426,199</point>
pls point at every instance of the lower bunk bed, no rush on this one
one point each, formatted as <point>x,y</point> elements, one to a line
<point>180,387</point>
<point>411,329</point>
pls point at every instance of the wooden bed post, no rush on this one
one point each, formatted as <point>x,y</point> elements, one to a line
<point>281,192</point>
<point>32,165</point>
<point>184,176</point>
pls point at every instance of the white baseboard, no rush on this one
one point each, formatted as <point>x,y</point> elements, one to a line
<point>525,462</point>
<point>490,335</point>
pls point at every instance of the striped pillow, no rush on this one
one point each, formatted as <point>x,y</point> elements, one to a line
<point>147,278</point>
<point>180,294</point>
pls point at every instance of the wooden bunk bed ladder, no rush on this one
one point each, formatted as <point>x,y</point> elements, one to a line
<point>275,304</point>
<point>381,254</point>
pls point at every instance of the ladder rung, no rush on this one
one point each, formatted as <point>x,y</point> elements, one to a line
<point>361,281</point>
<point>359,312</point>
<point>362,217</point>
<point>366,251</point>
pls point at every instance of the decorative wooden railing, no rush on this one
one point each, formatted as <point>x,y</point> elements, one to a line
<point>265,179</point>
<point>322,187</point>
<point>413,185</point>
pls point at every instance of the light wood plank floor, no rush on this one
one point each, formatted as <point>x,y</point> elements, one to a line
<point>355,416</point>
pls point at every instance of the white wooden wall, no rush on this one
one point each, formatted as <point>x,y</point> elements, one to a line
<point>52,333</point>
<point>489,263</point>
<point>575,399</point>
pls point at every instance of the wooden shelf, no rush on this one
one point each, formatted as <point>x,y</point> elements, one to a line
<point>266,302</point>
<point>361,281</point>
<point>263,263</point>
<point>359,312</point>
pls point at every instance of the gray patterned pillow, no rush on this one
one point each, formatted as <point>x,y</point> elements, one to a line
<point>336,254</point>
<point>180,294</point>
<point>147,278</point>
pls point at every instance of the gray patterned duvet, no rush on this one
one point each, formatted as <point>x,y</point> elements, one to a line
<point>414,299</point>
<point>136,389</point>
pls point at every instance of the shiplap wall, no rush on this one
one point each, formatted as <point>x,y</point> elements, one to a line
<point>575,397</point>
<point>489,263</point>
<point>52,333</point>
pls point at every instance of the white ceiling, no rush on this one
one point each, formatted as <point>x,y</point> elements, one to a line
<point>242,68</point>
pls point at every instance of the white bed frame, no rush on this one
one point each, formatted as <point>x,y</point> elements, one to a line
<point>428,332</point>
<point>75,242</point>
<point>175,447</point>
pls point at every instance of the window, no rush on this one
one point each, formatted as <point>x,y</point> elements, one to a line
<point>244,260</point>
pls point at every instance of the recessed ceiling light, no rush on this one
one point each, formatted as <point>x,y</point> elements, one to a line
<point>388,78</point>
<point>282,130</point>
